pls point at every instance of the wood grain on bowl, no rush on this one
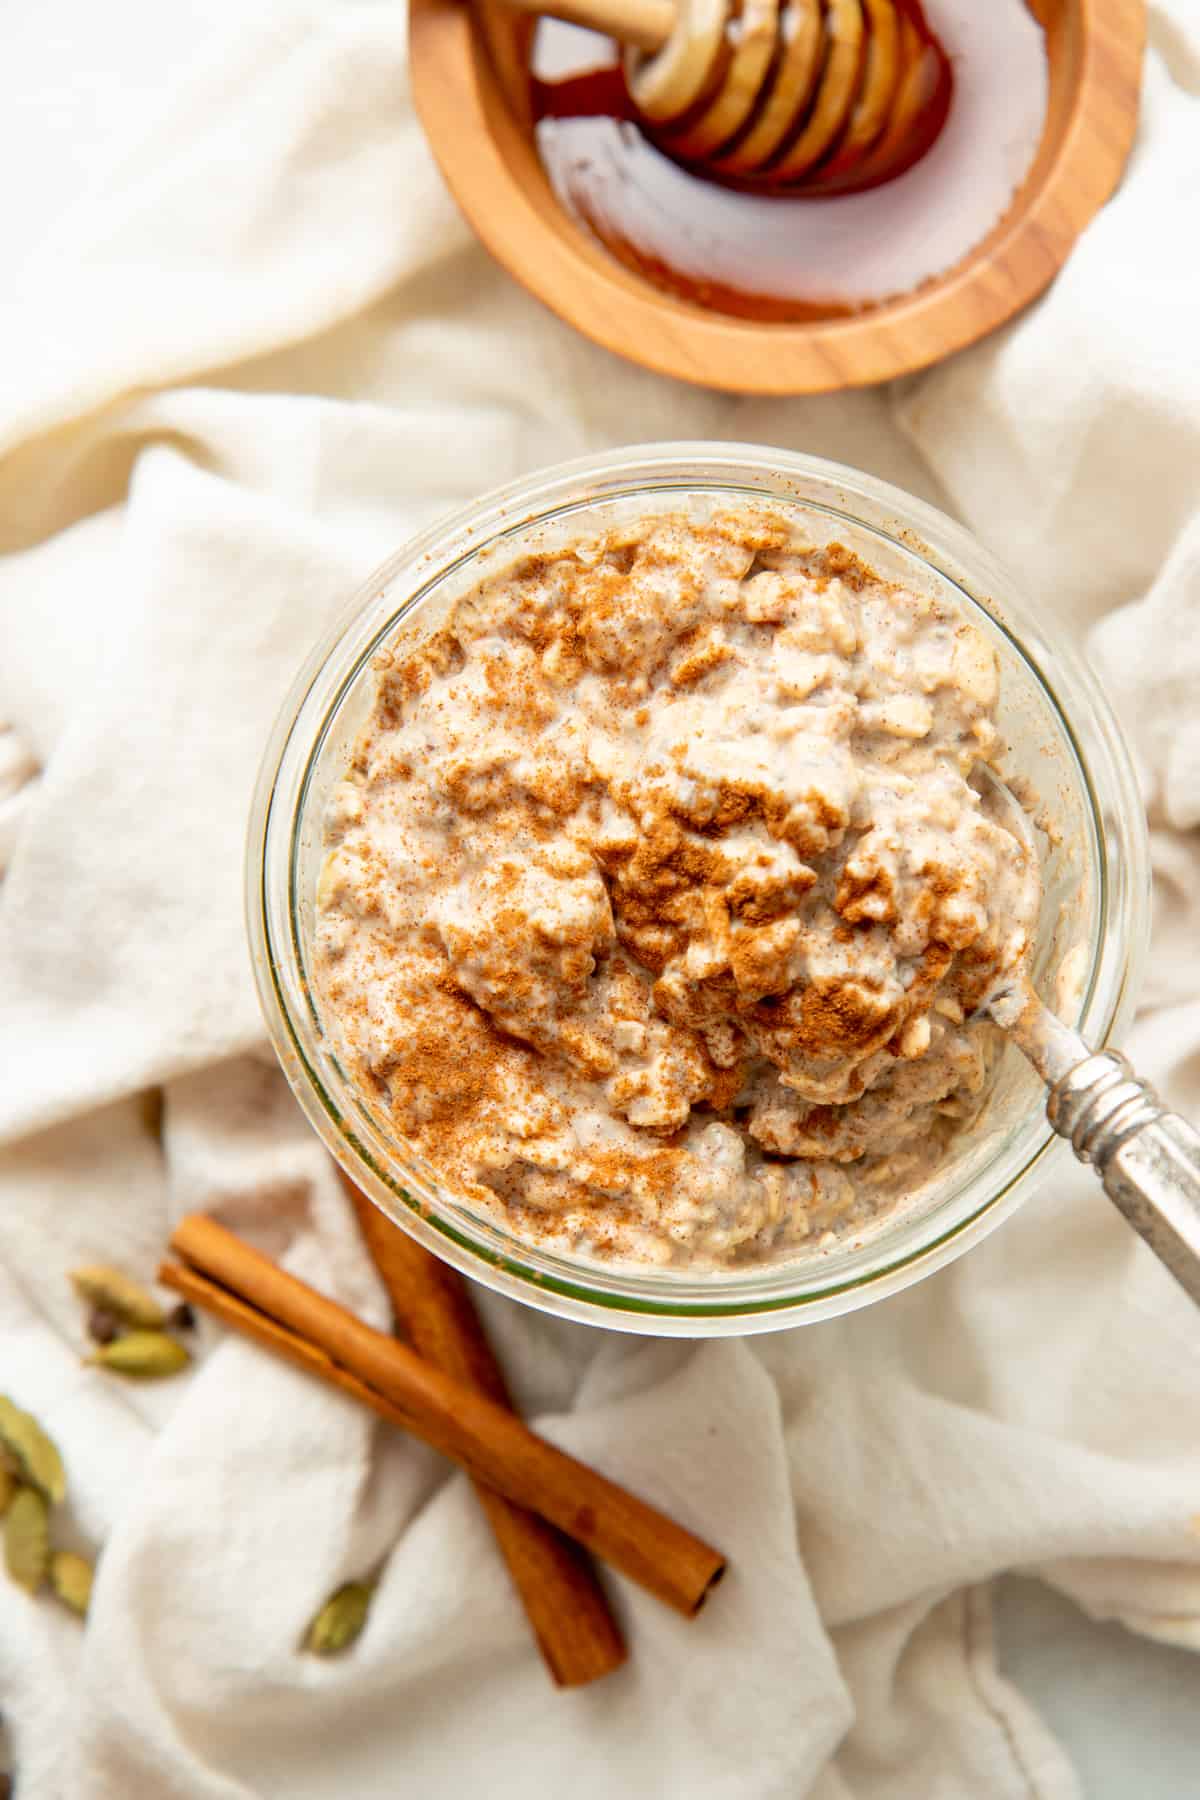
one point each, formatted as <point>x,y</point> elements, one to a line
<point>469,72</point>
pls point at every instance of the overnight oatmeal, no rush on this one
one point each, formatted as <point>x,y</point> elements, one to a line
<point>657,896</point>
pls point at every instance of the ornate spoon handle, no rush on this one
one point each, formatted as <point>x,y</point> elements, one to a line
<point>1147,1158</point>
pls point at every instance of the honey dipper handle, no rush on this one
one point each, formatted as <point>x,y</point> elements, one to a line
<point>647,24</point>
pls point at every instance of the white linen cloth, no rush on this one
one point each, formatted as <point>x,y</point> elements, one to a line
<point>247,345</point>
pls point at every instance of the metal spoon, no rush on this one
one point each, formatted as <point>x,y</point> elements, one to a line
<point>1147,1158</point>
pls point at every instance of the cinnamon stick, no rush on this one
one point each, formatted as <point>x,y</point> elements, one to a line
<point>575,1630</point>
<point>212,1298</point>
<point>472,1430</point>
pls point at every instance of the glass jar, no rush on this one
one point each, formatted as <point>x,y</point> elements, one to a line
<point>1062,739</point>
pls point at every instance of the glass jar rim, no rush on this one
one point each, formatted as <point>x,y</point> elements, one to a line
<point>653,1300</point>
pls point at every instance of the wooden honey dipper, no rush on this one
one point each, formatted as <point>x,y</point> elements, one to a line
<point>796,97</point>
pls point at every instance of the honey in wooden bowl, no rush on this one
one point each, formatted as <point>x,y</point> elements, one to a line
<point>857,231</point>
<point>472,84</point>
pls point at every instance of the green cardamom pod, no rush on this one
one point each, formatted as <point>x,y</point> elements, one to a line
<point>29,1452</point>
<point>99,1285</point>
<point>146,1354</point>
<point>340,1619</point>
<point>71,1579</point>
<point>27,1538</point>
<point>8,1487</point>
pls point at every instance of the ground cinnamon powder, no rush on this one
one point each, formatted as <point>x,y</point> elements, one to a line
<point>632,848</point>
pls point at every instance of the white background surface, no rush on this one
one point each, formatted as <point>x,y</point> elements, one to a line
<point>1126,1710</point>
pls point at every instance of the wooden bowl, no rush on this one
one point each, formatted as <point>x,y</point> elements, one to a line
<point>471,89</point>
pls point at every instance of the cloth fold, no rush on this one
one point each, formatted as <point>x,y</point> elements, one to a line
<point>248,346</point>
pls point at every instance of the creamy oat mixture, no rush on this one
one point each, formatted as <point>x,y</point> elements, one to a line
<point>657,894</point>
